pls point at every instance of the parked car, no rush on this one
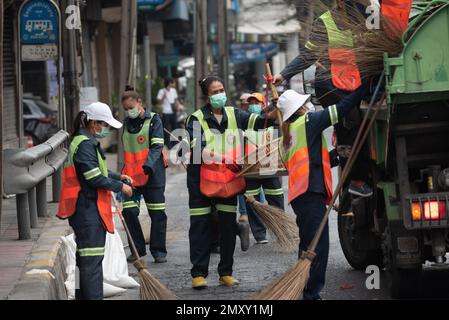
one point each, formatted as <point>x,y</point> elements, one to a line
<point>40,121</point>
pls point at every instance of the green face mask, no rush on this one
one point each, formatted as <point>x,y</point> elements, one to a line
<point>134,113</point>
<point>103,133</point>
<point>255,108</point>
<point>218,101</point>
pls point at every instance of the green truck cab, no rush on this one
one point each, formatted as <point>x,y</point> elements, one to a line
<point>405,225</point>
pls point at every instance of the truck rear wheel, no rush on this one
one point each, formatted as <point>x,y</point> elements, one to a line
<point>356,253</point>
<point>402,283</point>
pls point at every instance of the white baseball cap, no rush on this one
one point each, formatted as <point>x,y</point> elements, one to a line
<point>290,101</point>
<point>244,97</point>
<point>99,111</point>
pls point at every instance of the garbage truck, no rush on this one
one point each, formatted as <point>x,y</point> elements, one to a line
<point>404,226</point>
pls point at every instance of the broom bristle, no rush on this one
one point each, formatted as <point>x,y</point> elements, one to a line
<point>279,223</point>
<point>150,287</point>
<point>291,285</point>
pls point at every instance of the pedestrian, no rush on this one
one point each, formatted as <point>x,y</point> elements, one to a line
<point>168,98</point>
<point>259,188</point>
<point>340,77</point>
<point>143,141</point>
<point>86,196</point>
<point>216,123</point>
<point>307,160</point>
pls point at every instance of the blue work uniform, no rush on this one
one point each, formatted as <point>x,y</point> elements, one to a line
<point>90,235</point>
<point>153,192</point>
<point>200,234</point>
<point>310,207</point>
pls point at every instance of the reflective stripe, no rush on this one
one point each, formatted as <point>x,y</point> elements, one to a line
<point>130,204</point>
<point>157,141</point>
<point>155,206</point>
<point>91,252</point>
<point>311,46</point>
<point>254,192</point>
<point>200,211</point>
<point>252,121</point>
<point>193,143</point>
<point>333,114</point>
<point>273,192</point>
<point>226,208</point>
<point>89,175</point>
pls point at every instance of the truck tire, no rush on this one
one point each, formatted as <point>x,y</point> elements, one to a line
<point>358,258</point>
<point>402,283</point>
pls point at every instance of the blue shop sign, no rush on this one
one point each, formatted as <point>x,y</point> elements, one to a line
<point>148,4</point>
<point>248,52</point>
<point>39,22</point>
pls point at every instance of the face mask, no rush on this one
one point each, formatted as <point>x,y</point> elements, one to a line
<point>134,113</point>
<point>103,133</point>
<point>255,108</point>
<point>218,101</point>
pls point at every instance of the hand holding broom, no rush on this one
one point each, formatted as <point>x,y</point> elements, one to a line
<point>150,287</point>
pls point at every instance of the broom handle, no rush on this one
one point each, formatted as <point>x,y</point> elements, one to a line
<point>358,143</point>
<point>173,136</point>
<point>128,233</point>
<point>275,95</point>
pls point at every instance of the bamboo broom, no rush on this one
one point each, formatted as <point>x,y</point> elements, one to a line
<point>292,284</point>
<point>150,287</point>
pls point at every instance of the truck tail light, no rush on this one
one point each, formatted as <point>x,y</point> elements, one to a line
<point>433,210</point>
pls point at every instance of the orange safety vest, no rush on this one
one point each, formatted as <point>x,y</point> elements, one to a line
<point>216,180</point>
<point>296,159</point>
<point>71,188</point>
<point>344,70</point>
<point>136,151</point>
<point>396,14</point>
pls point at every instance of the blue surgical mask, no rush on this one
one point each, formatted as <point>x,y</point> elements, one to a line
<point>255,108</point>
<point>134,113</point>
<point>103,133</point>
<point>218,101</point>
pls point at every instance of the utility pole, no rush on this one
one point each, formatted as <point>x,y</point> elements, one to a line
<point>1,109</point>
<point>201,52</point>
<point>147,64</point>
<point>71,85</point>
<point>222,35</point>
<point>128,44</point>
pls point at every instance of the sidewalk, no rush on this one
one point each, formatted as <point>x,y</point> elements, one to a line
<point>15,254</point>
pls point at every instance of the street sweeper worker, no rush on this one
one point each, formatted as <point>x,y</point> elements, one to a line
<point>339,76</point>
<point>145,163</point>
<point>305,154</point>
<point>271,188</point>
<point>216,143</point>
<point>86,195</point>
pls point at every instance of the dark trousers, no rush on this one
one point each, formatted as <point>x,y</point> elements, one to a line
<point>169,122</point>
<point>90,241</point>
<point>310,209</point>
<point>201,231</point>
<point>274,195</point>
<point>155,203</point>
<point>346,130</point>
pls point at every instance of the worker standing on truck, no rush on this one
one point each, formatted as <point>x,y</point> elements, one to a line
<point>306,156</point>
<point>343,79</point>
<point>86,196</point>
<point>145,163</point>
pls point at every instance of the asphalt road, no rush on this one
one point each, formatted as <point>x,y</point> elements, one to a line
<point>262,263</point>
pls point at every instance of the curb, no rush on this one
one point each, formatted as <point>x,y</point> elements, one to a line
<point>49,260</point>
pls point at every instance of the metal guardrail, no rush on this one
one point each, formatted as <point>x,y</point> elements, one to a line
<point>25,175</point>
